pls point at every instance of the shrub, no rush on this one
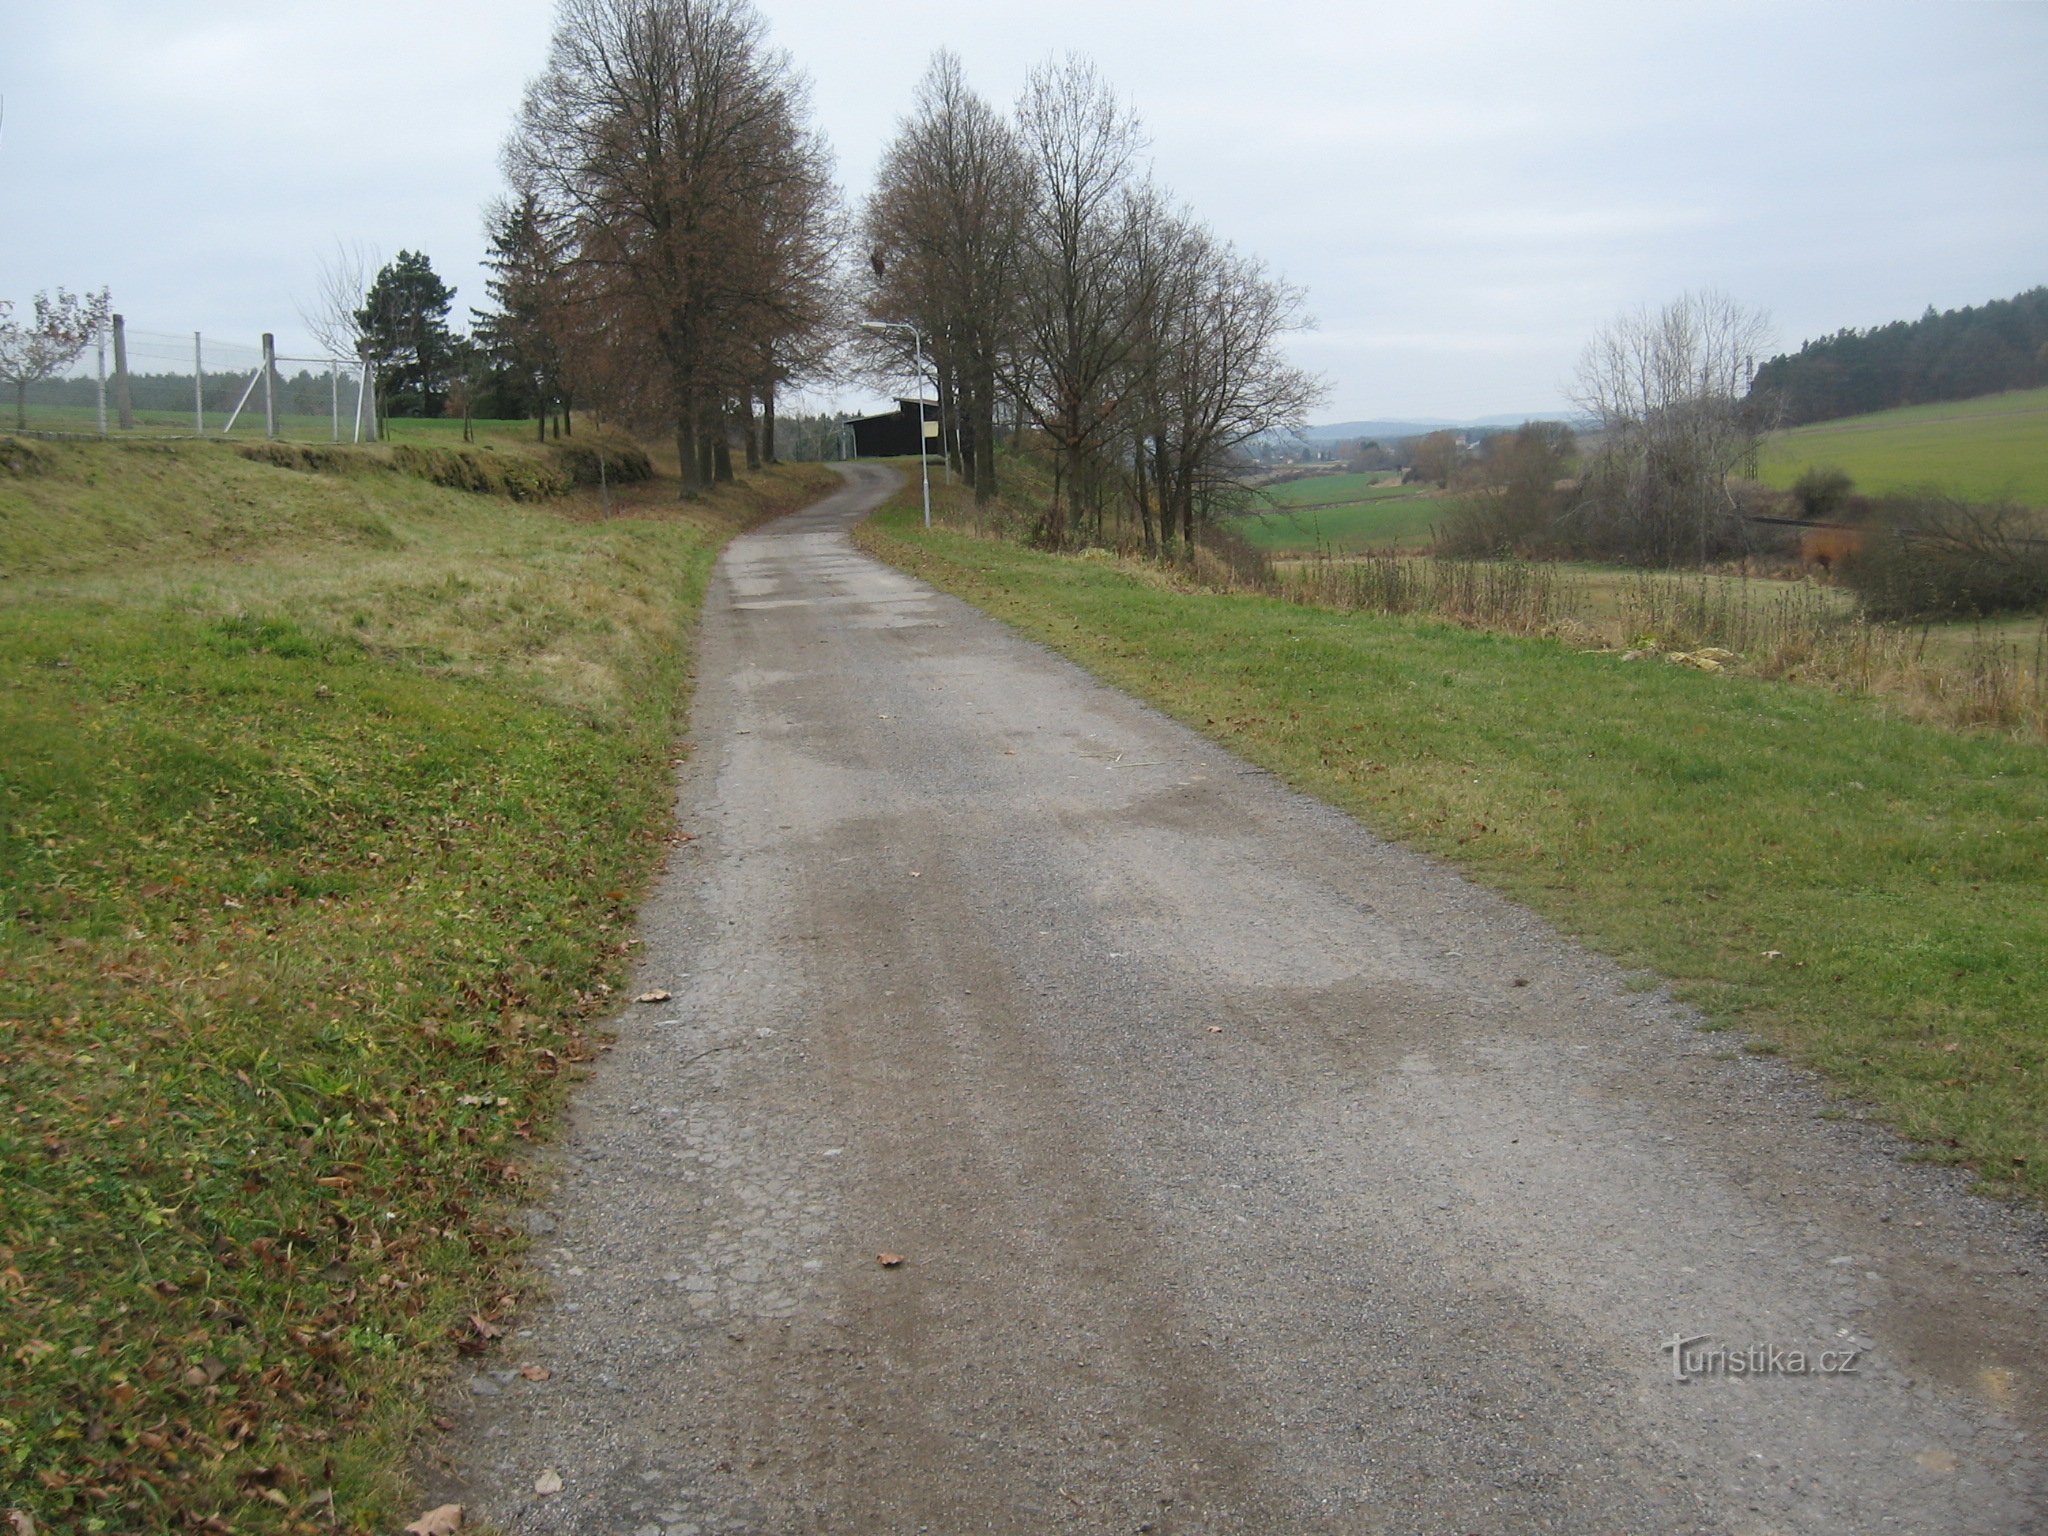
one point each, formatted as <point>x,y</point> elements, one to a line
<point>1822,492</point>
<point>1513,496</point>
<point>1935,556</point>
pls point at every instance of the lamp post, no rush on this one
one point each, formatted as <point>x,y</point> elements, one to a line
<point>924,460</point>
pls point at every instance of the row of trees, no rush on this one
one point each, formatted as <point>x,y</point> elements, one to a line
<point>671,250</point>
<point>665,252</point>
<point>1048,273</point>
<point>670,239</point>
<point>1953,355</point>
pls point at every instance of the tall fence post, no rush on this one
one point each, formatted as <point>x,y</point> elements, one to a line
<point>198,387</point>
<point>334,389</point>
<point>124,402</point>
<point>100,346</point>
<point>269,385</point>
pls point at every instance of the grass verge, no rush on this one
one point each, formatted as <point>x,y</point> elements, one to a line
<point>1862,892</point>
<point>324,810</point>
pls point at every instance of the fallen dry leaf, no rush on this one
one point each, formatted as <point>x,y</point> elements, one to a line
<point>485,1329</point>
<point>656,996</point>
<point>444,1521</point>
<point>1215,1029</point>
<point>888,1260</point>
<point>20,1523</point>
<point>548,1484</point>
<point>535,1372</point>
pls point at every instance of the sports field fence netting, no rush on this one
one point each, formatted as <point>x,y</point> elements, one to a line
<point>165,384</point>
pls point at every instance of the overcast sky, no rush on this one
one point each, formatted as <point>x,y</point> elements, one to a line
<point>1465,192</point>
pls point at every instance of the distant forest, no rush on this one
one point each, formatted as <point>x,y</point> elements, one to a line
<point>1953,356</point>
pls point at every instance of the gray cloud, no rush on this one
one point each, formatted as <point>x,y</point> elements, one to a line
<point>1465,191</point>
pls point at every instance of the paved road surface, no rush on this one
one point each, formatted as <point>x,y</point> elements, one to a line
<point>1248,1174</point>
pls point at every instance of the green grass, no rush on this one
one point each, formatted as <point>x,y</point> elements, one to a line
<point>1864,893</point>
<point>1343,514</point>
<point>324,809</point>
<point>1985,449</point>
<point>1325,490</point>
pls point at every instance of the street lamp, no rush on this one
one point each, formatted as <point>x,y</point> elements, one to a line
<point>924,460</point>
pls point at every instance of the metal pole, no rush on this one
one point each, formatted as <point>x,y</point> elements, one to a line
<point>924,455</point>
<point>334,389</point>
<point>198,387</point>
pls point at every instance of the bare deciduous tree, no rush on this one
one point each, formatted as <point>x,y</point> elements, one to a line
<point>670,142</point>
<point>1209,371</point>
<point>342,287</point>
<point>1671,392</point>
<point>1078,324</point>
<point>943,229</point>
<point>1036,259</point>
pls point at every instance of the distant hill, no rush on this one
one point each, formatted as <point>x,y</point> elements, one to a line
<point>1958,354</point>
<point>1387,431</point>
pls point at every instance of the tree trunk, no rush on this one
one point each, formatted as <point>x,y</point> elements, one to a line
<point>721,446</point>
<point>768,423</point>
<point>942,385</point>
<point>985,435</point>
<point>689,439</point>
<point>1144,500</point>
<point>753,430</point>
<point>21,404</point>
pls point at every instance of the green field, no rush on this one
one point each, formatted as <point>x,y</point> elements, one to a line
<point>1865,893</point>
<point>1344,514</point>
<point>326,803</point>
<point>1323,490</point>
<point>1986,449</point>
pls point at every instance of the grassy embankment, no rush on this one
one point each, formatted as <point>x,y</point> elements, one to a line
<point>1865,893</point>
<point>325,804</point>
<point>1988,449</point>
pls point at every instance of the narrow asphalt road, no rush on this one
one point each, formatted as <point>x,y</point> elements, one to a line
<point>1248,1173</point>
